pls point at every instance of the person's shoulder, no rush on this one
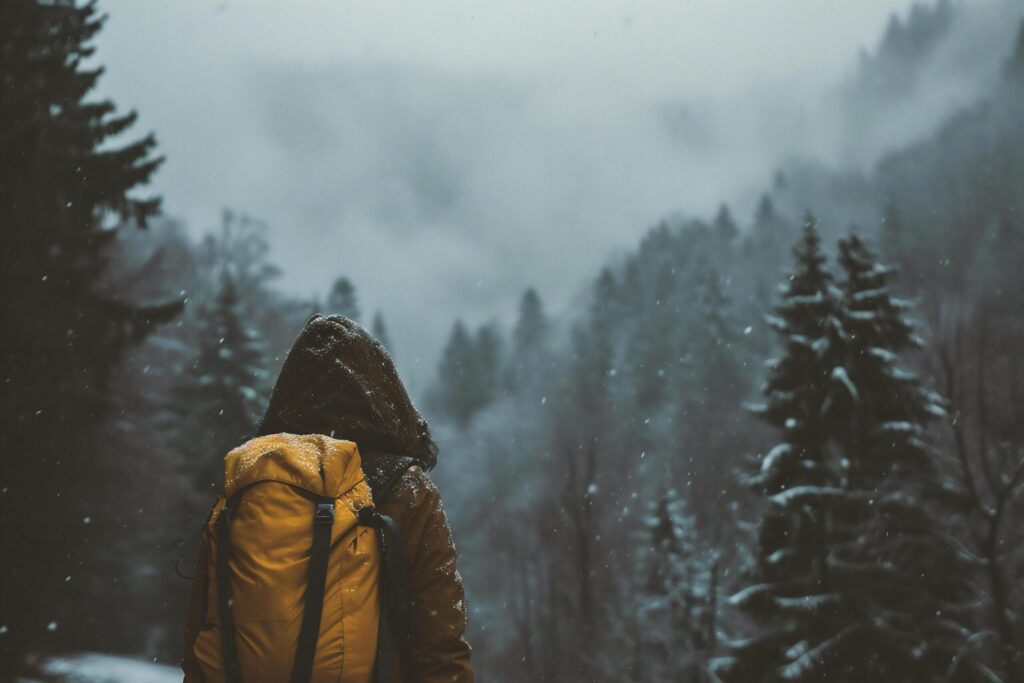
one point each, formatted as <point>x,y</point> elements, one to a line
<point>414,487</point>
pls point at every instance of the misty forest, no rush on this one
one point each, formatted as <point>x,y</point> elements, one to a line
<point>774,437</point>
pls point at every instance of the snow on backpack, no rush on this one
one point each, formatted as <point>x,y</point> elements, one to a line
<point>298,563</point>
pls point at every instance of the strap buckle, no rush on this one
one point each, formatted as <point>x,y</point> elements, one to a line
<point>367,516</point>
<point>324,513</point>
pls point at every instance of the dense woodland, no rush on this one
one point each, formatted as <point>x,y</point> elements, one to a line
<point>788,446</point>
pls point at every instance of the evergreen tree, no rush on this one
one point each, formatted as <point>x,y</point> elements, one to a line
<point>228,389</point>
<point>457,393</point>
<point>677,600</point>
<point>1014,67</point>
<point>489,358</point>
<point>532,326</point>
<point>789,597</point>
<point>725,226</point>
<point>717,370</point>
<point>853,581</point>
<point>380,331</point>
<point>652,348</point>
<point>64,183</point>
<point>901,580</point>
<point>766,245</point>
<point>584,415</point>
<point>343,300</point>
<point>530,339</point>
<point>713,388</point>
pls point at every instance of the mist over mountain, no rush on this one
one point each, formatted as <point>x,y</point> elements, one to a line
<point>471,184</point>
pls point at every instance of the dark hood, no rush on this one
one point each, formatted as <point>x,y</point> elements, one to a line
<point>339,381</point>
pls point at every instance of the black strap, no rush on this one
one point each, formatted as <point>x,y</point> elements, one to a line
<point>384,663</point>
<point>394,632</point>
<point>229,651</point>
<point>382,471</point>
<point>305,654</point>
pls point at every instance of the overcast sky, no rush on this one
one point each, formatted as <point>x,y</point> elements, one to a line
<point>447,154</point>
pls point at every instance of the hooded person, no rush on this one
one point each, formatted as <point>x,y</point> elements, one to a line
<point>339,382</point>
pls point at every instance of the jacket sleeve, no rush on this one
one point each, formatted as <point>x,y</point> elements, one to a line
<point>439,649</point>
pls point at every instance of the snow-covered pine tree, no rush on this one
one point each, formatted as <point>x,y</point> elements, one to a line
<point>882,595</point>
<point>677,601</point>
<point>227,389</point>
<point>904,588</point>
<point>788,597</point>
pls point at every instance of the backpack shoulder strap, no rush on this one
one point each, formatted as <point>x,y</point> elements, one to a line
<point>382,472</point>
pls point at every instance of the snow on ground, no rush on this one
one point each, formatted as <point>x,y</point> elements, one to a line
<point>98,668</point>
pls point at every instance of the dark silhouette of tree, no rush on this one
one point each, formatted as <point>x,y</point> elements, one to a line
<point>678,594</point>
<point>788,596</point>
<point>905,589</point>
<point>865,585</point>
<point>343,299</point>
<point>223,399</point>
<point>530,339</point>
<point>725,227</point>
<point>65,184</point>
<point>489,362</point>
<point>457,393</point>
<point>380,331</point>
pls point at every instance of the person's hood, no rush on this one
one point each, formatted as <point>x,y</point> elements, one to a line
<point>339,381</point>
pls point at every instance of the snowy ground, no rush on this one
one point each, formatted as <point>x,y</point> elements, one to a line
<point>97,668</point>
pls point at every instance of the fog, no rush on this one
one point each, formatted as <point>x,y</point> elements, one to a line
<point>461,150</point>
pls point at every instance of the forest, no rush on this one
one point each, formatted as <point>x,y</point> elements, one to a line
<point>787,446</point>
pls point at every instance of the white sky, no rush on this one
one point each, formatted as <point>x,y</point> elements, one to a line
<point>447,154</point>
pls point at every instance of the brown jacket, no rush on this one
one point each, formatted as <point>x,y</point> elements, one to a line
<point>439,649</point>
<point>338,381</point>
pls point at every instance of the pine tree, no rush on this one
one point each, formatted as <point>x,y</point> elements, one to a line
<point>901,579</point>
<point>457,393</point>
<point>713,388</point>
<point>343,299</point>
<point>766,245</point>
<point>529,340</point>
<point>489,358</point>
<point>380,331</point>
<point>1014,67</point>
<point>789,597</point>
<point>584,413</point>
<point>853,581</point>
<point>717,368</point>
<point>227,390</point>
<point>64,183</point>
<point>677,601</point>
<point>725,226</point>
<point>652,348</point>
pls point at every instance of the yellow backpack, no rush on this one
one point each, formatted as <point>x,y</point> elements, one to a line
<point>293,553</point>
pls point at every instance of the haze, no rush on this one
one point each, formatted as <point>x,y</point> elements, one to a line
<point>447,155</point>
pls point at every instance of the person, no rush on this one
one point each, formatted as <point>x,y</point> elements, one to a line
<point>339,382</point>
